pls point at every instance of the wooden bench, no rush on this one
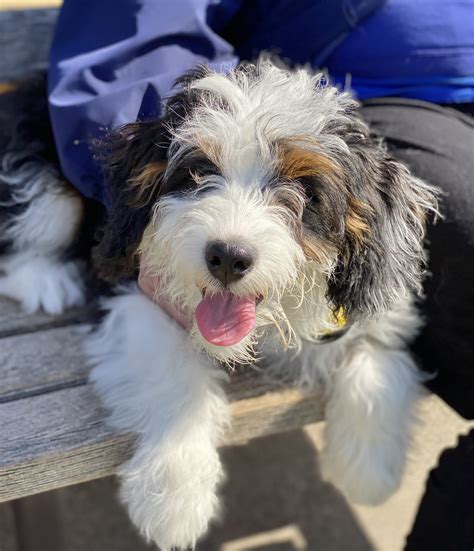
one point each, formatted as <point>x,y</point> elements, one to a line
<point>52,426</point>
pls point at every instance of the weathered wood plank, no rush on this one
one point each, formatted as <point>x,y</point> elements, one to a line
<point>52,428</point>
<point>52,439</point>
<point>25,38</point>
<point>41,362</point>
<point>28,4</point>
<point>273,412</point>
<point>13,321</point>
<point>60,438</point>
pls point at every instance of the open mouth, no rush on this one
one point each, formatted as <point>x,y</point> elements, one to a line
<point>224,319</point>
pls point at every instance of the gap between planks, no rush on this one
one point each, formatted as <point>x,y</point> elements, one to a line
<point>13,321</point>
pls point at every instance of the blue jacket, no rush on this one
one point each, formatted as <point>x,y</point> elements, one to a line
<point>114,61</point>
<point>421,49</point>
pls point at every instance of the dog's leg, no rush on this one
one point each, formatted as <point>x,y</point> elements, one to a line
<point>368,417</point>
<point>157,386</point>
<point>39,219</point>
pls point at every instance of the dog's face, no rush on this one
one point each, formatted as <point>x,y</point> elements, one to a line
<point>261,202</point>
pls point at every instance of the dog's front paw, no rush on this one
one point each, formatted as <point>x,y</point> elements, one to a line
<point>172,498</point>
<point>44,284</point>
<point>367,473</point>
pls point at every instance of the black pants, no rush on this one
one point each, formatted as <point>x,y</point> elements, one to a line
<point>437,143</point>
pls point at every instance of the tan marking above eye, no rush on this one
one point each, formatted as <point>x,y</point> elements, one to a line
<point>144,185</point>
<point>297,162</point>
<point>211,150</point>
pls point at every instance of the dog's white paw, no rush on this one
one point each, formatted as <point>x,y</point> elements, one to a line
<point>44,284</point>
<point>365,472</point>
<point>172,498</point>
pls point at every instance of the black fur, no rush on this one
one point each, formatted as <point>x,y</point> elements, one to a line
<point>125,153</point>
<point>26,148</point>
<point>25,136</point>
<point>371,274</point>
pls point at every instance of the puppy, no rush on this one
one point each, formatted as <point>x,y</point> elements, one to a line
<point>263,219</point>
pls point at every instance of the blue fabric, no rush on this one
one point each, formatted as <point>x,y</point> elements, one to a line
<point>114,61</point>
<point>300,31</point>
<point>421,49</point>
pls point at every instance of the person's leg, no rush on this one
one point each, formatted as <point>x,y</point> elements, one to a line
<point>437,143</point>
<point>445,520</point>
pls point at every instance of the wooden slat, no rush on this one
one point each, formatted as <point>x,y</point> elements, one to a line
<point>28,4</point>
<point>25,38</point>
<point>54,439</point>
<point>273,412</point>
<point>41,362</point>
<point>60,438</point>
<point>52,428</point>
<point>44,361</point>
<point>14,321</point>
<point>57,435</point>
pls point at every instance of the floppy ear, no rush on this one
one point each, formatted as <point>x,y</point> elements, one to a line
<point>134,159</point>
<point>134,162</point>
<point>381,256</point>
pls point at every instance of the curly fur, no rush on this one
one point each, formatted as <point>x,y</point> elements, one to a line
<point>277,160</point>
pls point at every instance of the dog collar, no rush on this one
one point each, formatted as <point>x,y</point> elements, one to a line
<point>342,327</point>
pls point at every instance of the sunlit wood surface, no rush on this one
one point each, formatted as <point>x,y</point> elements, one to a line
<point>28,4</point>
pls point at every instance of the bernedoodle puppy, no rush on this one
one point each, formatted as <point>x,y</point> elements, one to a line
<point>261,218</point>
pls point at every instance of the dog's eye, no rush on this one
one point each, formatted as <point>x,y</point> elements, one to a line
<point>189,176</point>
<point>200,171</point>
<point>312,187</point>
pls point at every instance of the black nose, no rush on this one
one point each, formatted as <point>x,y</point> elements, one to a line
<point>228,262</point>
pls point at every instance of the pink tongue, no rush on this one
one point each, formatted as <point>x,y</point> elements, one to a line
<point>225,319</point>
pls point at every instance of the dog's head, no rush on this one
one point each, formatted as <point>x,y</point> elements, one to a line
<point>260,201</point>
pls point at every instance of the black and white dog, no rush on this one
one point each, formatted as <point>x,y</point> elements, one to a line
<point>263,217</point>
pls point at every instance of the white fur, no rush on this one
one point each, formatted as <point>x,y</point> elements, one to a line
<point>37,227</point>
<point>245,115</point>
<point>42,282</point>
<point>157,386</point>
<point>33,272</point>
<point>368,418</point>
<point>53,211</point>
<point>174,245</point>
<point>371,386</point>
<point>154,376</point>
